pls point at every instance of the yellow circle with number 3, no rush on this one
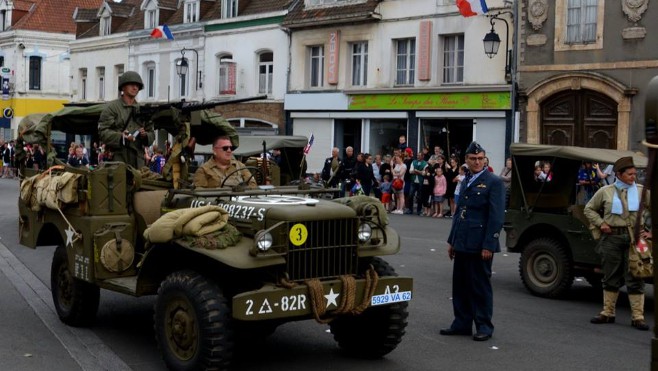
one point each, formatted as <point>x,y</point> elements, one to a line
<point>298,234</point>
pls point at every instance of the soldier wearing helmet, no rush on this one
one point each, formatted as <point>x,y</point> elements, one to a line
<point>119,125</point>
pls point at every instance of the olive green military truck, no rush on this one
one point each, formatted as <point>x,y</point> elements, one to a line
<point>545,222</point>
<point>225,263</point>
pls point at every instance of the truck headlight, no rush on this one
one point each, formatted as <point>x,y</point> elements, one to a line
<point>364,233</point>
<point>264,241</point>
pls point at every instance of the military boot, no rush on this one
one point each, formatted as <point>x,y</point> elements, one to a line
<point>609,304</point>
<point>637,311</point>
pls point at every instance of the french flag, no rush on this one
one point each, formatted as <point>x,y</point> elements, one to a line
<point>162,32</point>
<point>469,8</point>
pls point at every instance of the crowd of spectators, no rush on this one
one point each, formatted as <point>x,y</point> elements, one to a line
<point>78,156</point>
<point>425,183</point>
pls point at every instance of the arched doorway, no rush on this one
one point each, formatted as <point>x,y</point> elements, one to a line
<point>578,88</point>
<point>582,117</point>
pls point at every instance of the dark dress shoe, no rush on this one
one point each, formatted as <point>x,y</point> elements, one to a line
<point>640,324</point>
<point>602,318</point>
<point>481,337</point>
<point>451,331</point>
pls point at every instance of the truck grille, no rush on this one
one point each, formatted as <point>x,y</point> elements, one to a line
<point>329,250</point>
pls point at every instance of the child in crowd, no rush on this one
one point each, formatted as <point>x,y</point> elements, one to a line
<point>460,178</point>
<point>546,174</point>
<point>385,188</point>
<point>440,187</point>
<point>157,161</point>
<point>538,173</point>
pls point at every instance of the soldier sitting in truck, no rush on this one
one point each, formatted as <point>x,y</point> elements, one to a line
<point>222,169</point>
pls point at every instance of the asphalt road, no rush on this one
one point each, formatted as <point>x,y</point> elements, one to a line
<point>531,333</point>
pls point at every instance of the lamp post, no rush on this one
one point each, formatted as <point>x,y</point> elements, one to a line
<point>491,43</point>
<point>182,67</point>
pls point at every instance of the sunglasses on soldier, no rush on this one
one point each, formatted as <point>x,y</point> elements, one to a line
<point>226,148</point>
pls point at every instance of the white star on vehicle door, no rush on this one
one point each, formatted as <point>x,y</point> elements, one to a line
<point>69,236</point>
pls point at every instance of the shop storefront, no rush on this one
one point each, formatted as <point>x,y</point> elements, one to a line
<point>373,123</point>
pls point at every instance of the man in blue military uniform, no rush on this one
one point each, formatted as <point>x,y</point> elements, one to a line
<point>472,242</point>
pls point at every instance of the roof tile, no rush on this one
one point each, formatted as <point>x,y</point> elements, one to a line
<point>299,16</point>
<point>265,6</point>
<point>86,15</point>
<point>123,9</point>
<point>171,4</point>
<point>53,15</point>
<point>210,9</point>
<point>23,5</point>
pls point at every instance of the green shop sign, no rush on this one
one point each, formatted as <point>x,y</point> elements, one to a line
<point>431,101</point>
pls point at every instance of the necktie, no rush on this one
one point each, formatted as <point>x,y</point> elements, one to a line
<point>624,202</point>
<point>467,179</point>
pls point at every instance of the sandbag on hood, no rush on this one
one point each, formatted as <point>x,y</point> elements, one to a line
<point>187,222</point>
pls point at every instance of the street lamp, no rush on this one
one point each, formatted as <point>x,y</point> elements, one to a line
<point>491,43</point>
<point>182,67</point>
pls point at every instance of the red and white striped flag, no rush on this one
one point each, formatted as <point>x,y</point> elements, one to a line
<point>307,149</point>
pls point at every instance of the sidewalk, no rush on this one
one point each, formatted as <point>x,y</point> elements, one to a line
<point>33,336</point>
<point>26,343</point>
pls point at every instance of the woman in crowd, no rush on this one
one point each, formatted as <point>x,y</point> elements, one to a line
<point>407,158</point>
<point>386,167</point>
<point>39,157</point>
<point>399,171</point>
<point>486,165</point>
<point>451,175</point>
<point>364,173</point>
<point>506,176</point>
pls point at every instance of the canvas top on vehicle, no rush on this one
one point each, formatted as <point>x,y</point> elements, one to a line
<point>544,220</point>
<point>577,153</point>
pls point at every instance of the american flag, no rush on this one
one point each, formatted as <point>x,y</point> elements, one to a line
<point>307,149</point>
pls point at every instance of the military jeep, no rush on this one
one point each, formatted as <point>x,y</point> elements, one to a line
<point>283,253</point>
<point>545,222</point>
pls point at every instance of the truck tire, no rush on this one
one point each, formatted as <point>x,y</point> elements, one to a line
<point>76,301</point>
<point>193,324</point>
<point>375,332</point>
<point>545,268</point>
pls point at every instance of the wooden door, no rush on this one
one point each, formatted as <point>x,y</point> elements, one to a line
<point>582,118</point>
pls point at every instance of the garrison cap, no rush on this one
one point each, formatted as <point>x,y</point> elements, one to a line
<point>474,148</point>
<point>623,163</point>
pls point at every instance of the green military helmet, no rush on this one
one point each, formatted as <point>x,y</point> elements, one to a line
<point>130,77</point>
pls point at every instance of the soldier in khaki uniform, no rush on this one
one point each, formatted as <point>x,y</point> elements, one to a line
<point>119,127</point>
<point>620,203</point>
<point>214,171</point>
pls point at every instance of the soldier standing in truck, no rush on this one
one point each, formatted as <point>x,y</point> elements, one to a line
<point>119,126</point>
